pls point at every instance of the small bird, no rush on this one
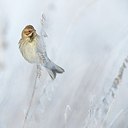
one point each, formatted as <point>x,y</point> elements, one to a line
<point>33,50</point>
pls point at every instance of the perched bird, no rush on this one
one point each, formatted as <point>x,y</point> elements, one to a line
<point>32,47</point>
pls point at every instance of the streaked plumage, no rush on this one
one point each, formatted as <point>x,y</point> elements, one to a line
<point>33,50</point>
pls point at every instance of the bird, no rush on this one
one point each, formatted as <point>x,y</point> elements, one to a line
<point>33,50</point>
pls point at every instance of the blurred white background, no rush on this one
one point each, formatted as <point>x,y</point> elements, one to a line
<point>88,38</point>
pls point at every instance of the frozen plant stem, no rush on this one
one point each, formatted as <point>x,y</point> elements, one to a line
<point>66,114</point>
<point>117,116</point>
<point>43,33</point>
<point>37,76</point>
<point>32,97</point>
<point>100,111</point>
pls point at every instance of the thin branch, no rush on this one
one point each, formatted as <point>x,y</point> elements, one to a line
<point>43,33</point>
<point>101,110</point>
<point>66,114</point>
<point>37,76</point>
<point>32,97</point>
<point>116,117</point>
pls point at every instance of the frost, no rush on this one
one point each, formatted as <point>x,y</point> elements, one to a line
<point>98,113</point>
<point>66,114</point>
<point>89,39</point>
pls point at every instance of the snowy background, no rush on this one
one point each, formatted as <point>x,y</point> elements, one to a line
<point>89,39</point>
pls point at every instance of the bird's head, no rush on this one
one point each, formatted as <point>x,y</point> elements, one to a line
<point>28,32</point>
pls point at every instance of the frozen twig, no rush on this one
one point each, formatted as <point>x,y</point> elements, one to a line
<point>101,110</point>
<point>43,19</point>
<point>116,117</point>
<point>121,115</point>
<point>37,75</point>
<point>66,114</point>
<point>32,97</point>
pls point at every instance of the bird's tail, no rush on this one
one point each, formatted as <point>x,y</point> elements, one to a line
<point>52,69</point>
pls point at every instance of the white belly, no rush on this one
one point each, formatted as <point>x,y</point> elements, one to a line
<point>29,52</point>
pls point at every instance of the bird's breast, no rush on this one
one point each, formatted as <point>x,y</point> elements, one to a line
<point>29,51</point>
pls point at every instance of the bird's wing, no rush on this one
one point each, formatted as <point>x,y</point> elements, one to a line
<point>41,50</point>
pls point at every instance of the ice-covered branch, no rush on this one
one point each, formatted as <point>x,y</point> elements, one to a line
<point>43,19</point>
<point>66,114</point>
<point>98,113</point>
<point>116,117</point>
<point>37,76</point>
<point>32,97</point>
